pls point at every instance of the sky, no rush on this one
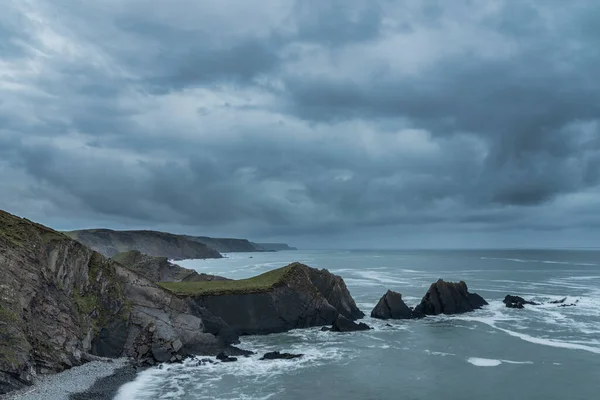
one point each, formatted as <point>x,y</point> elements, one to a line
<point>341,123</point>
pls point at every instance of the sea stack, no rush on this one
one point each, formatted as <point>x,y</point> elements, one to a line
<point>448,298</point>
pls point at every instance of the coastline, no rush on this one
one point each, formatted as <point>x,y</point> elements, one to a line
<point>95,380</point>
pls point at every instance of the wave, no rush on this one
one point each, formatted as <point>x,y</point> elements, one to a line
<point>490,362</point>
<point>521,260</point>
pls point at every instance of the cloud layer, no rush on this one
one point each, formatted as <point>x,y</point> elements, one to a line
<point>366,122</point>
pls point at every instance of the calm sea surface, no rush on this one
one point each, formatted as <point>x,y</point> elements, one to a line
<point>544,352</point>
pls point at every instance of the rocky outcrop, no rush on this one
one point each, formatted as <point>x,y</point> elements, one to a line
<point>517,302</point>
<point>226,245</point>
<point>343,324</point>
<point>273,246</point>
<point>160,244</point>
<point>61,302</point>
<point>275,355</point>
<point>300,297</point>
<point>391,306</point>
<point>159,269</point>
<point>448,298</point>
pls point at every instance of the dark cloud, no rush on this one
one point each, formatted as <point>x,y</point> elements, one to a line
<point>366,122</point>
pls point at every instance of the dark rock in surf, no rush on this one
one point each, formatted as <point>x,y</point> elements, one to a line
<point>275,355</point>
<point>561,301</point>
<point>448,298</point>
<point>343,324</point>
<point>517,302</point>
<point>391,306</point>
<point>225,358</point>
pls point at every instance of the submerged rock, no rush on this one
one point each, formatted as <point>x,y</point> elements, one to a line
<point>343,324</point>
<point>275,355</point>
<point>517,302</point>
<point>561,301</point>
<point>448,298</point>
<point>391,306</point>
<point>225,358</point>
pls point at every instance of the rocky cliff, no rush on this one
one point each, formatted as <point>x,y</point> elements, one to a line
<point>226,245</point>
<point>160,269</point>
<point>296,296</point>
<point>175,247</point>
<point>273,246</point>
<point>62,303</point>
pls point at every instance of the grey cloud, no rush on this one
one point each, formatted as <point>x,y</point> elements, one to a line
<point>136,121</point>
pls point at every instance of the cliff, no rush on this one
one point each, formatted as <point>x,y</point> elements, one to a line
<point>226,245</point>
<point>62,303</point>
<point>273,246</point>
<point>175,247</point>
<point>295,296</point>
<point>159,269</point>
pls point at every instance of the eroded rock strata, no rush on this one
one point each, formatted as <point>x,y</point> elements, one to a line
<point>62,303</point>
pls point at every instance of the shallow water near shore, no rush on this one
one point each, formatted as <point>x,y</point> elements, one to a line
<point>543,352</point>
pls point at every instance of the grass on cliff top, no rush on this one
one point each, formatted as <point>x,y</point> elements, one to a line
<point>256,284</point>
<point>21,232</point>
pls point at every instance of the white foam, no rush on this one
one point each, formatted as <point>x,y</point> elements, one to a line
<point>483,362</point>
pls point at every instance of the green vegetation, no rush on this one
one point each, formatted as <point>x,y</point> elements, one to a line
<point>260,283</point>
<point>127,258</point>
<point>18,231</point>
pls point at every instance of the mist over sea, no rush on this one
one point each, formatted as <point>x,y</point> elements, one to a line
<point>543,352</point>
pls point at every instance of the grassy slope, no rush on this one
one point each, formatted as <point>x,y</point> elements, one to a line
<point>257,284</point>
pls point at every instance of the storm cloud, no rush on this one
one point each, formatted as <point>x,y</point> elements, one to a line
<point>349,123</point>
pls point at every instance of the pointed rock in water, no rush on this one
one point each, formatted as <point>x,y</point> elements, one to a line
<point>391,306</point>
<point>343,324</point>
<point>448,298</point>
<point>517,302</point>
<point>275,355</point>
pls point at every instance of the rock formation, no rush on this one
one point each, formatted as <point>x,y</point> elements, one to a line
<point>517,302</point>
<point>273,246</point>
<point>343,324</point>
<point>159,269</point>
<point>391,306</point>
<point>275,355</point>
<point>61,302</point>
<point>448,298</point>
<point>296,296</point>
<point>160,244</point>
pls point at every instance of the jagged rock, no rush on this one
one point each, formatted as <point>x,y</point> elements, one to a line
<point>448,298</point>
<point>302,297</point>
<point>517,302</point>
<point>561,301</point>
<point>391,306</point>
<point>160,269</point>
<point>160,244</point>
<point>343,324</point>
<point>60,301</point>
<point>275,355</point>
<point>225,358</point>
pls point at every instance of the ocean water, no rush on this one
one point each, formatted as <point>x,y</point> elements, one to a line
<point>545,352</point>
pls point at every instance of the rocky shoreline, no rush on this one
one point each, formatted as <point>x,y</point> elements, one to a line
<point>152,311</point>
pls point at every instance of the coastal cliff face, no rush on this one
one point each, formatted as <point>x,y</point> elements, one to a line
<point>159,269</point>
<point>226,245</point>
<point>160,244</point>
<point>273,246</point>
<point>62,303</point>
<point>296,296</point>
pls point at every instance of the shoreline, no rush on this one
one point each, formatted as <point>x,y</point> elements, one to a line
<point>95,380</point>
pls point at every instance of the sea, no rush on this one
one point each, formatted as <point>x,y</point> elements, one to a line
<point>542,352</point>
